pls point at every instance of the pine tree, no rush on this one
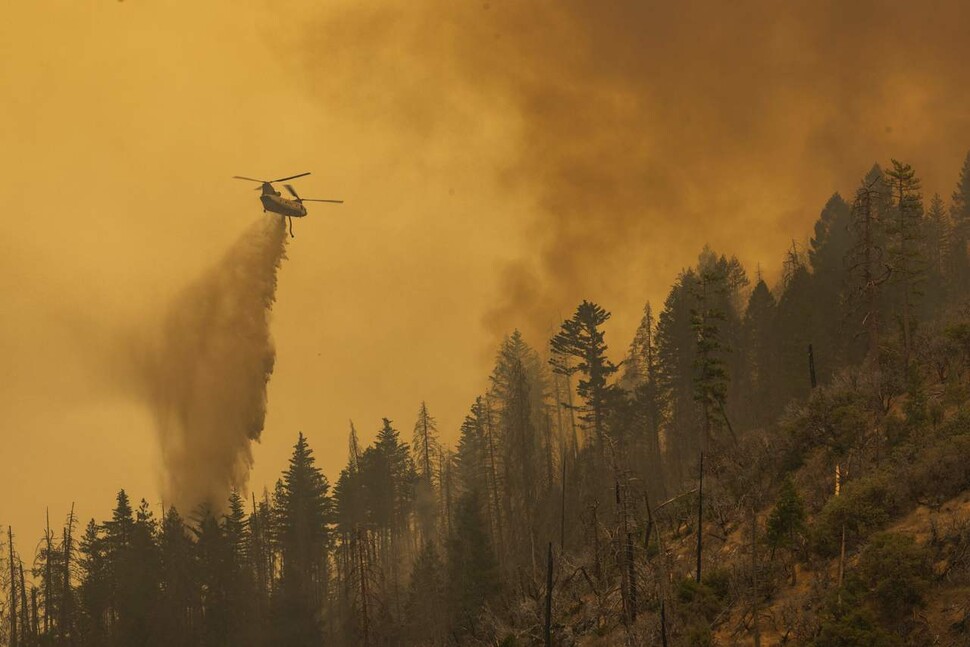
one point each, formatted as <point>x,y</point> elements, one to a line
<point>786,522</point>
<point>401,472</point>
<point>95,591</point>
<point>123,620</point>
<point>470,459</point>
<point>425,445</point>
<point>353,448</point>
<point>426,625</point>
<point>637,365</point>
<point>866,262</point>
<point>138,576</point>
<point>708,319</point>
<point>827,253</point>
<point>792,333</point>
<point>240,583</point>
<point>261,555</point>
<point>472,570</point>
<point>676,355</point>
<point>212,560</point>
<point>391,479</point>
<point>582,339</point>
<point>475,471</point>
<point>936,236</point>
<point>959,247</point>
<point>642,378</point>
<point>426,449</point>
<point>906,254</point>
<point>303,534</point>
<point>50,568</point>
<point>179,605</point>
<point>760,372</point>
<point>522,452</point>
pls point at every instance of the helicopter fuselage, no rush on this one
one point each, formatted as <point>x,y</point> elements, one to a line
<point>279,204</point>
<point>273,201</point>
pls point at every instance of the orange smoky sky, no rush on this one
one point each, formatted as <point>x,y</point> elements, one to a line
<point>500,161</point>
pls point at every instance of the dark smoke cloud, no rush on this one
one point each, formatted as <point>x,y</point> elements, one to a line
<point>203,370</point>
<point>647,128</point>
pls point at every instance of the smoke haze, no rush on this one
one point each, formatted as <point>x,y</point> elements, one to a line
<point>500,161</point>
<point>205,370</point>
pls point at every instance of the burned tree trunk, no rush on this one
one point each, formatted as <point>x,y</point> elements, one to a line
<point>631,567</point>
<point>35,621</point>
<point>48,577</point>
<point>13,591</point>
<point>700,516</point>
<point>562,508</point>
<point>621,554</point>
<point>548,628</point>
<point>597,567</point>
<point>362,574</point>
<point>65,621</point>
<point>661,588</point>
<point>811,366</point>
<point>755,610</point>
<point>24,612</point>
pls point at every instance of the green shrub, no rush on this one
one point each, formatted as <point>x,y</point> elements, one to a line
<point>853,628</point>
<point>875,606</point>
<point>941,471</point>
<point>719,581</point>
<point>835,417</point>
<point>786,522</point>
<point>698,635</point>
<point>959,424</point>
<point>863,507</point>
<point>698,600</point>
<point>698,605</point>
<point>894,571</point>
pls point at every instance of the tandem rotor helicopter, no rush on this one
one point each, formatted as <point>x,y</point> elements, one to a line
<point>274,201</point>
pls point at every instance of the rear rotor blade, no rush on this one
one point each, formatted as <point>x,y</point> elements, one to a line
<point>289,187</point>
<point>240,177</point>
<point>319,200</point>
<point>292,177</point>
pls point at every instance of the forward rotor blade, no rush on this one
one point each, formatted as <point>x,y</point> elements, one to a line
<point>290,188</point>
<point>240,177</point>
<point>319,200</point>
<point>292,177</point>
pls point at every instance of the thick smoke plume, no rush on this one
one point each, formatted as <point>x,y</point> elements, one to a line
<point>205,370</point>
<point>644,129</point>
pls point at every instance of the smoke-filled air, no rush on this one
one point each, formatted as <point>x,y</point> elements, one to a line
<point>601,323</point>
<point>203,366</point>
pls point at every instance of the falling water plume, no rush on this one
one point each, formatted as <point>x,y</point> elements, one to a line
<point>204,370</point>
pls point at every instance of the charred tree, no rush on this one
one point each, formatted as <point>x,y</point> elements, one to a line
<point>24,611</point>
<point>755,594</point>
<point>362,577</point>
<point>64,624</point>
<point>13,591</point>
<point>866,256</point>
<point>48,575</point>
<point>548,624</point>
<point>700,516</point>
<point>811,367</point>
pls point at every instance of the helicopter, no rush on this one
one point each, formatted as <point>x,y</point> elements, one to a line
<point>274,201</point>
